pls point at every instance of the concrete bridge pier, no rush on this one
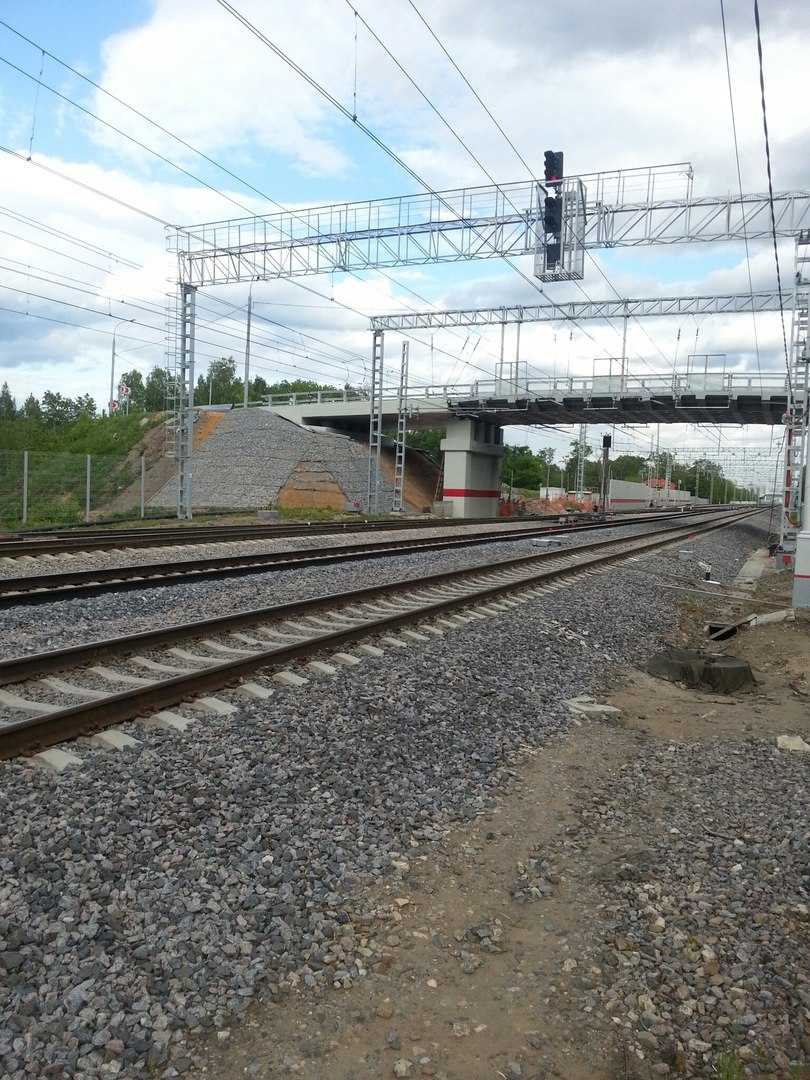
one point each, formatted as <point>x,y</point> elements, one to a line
<point>472,467</point>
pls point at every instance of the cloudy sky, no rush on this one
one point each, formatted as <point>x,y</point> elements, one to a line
<point>121,122</point>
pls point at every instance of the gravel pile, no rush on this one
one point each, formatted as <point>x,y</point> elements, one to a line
<point>705,923</point>
<point>250,456</point>
<point>159,890</point>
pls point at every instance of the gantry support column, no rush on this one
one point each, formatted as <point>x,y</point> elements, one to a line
<point>473,450</point>
<point>800,342</point>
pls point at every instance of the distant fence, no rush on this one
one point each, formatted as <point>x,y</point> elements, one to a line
<point>40,488</point>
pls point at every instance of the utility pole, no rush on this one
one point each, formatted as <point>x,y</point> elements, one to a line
<point>113,402</point>
<point>247,347</point>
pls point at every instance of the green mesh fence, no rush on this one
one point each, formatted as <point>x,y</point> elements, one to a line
<point>54,488</point>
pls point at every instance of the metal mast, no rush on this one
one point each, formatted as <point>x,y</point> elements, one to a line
<point>185,397</point>
<point>796,415</point>
<point>402,413</point>
<point>375,425</point>
<point>580,485</point>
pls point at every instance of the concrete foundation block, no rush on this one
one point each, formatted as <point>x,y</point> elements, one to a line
<point>587,707</point>
<point>65,687</point>
<point>15,702</point>
<point>118,677</point>
<point>155,665</point>
<point>55,760</point>
<point>289,678</point>
<point>318,667</point>
<point>215,705</point>
<point>370,650</point>
<point>114,738</point>
<point>170,721</point>
<point>254,690</point>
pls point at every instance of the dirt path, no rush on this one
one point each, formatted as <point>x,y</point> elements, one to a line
<point>486,955</point>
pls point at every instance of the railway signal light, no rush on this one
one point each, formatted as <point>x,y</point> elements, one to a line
<point>552,215</point>
<point>552,255</point>
<point>553,166</point>
<point>113,406</point>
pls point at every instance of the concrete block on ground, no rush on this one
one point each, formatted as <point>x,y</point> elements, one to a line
<point>154,665</point>
<point>587,707</point>
<point>215,705</point>
<point>15,702</point>
<point>168,720</point>
<point>114,738</point>
<point>117,677</point>
<point>54,760</point>
<point>289,678</point>
<point>792,742</point>
<point>194,658</point>
<point>254,690</point>
<point>318,667</point>
<point>345,659</point>
<point>786,615</point>
<point>396,642</point>
<point>229,650</point>
<point>413,635</point>
<point>369,650</point>
<point>72,689</point>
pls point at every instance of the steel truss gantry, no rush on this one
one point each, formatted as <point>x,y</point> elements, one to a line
<point>494,221</point>
<point>618,209</point>
<point>768,300</point>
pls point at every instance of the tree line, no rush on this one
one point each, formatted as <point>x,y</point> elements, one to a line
<point>531,472</point>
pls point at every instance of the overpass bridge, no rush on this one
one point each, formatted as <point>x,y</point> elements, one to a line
<point>475,414</point>
<point>704,397</point>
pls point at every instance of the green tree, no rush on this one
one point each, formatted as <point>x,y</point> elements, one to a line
<point>428,440</point>
<point>86,406</point>
<point>137,391</point>
<point>257,388</point>
<point>8,406</point>
<point>160,385</point>
<point>220,386</point>
<point>57,410</point>
<point>520,468</point>
<point>32,410</point>
<point>628,467</point>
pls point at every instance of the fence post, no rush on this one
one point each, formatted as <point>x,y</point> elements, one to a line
<point>87,493</point>
<point>143,482</point>
<point>25,487</point>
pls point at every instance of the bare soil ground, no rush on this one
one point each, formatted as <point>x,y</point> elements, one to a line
<point>435,1005</point>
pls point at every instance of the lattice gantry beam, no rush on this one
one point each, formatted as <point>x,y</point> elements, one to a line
<point>468,223</point>
<point>578,310</point>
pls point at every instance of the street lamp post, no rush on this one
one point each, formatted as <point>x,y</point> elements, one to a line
<point>121,322</point>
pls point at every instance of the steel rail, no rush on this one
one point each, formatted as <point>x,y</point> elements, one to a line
<point>33,543</point>
<point>73,584</point>
<point>53,727</point>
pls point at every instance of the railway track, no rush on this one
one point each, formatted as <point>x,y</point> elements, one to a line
<point>31,589</point>
<point>20,545</point>
<point>225,655</point>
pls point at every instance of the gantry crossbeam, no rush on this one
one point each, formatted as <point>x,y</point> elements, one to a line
<point>468,223</point>
<point>586,309</point>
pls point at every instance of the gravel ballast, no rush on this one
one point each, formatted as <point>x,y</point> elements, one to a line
<point>158,891</point>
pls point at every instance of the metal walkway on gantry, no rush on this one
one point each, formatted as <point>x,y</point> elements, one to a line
<point>721,398</point>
